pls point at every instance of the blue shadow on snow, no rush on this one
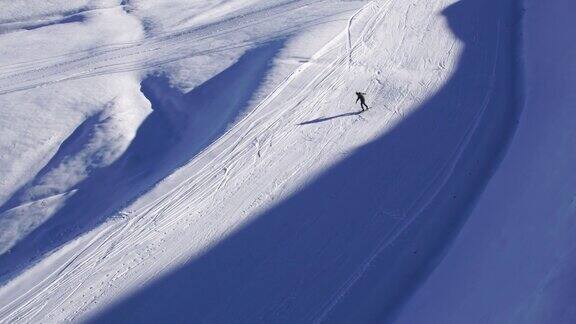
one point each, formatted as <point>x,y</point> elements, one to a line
<point>331,251</point>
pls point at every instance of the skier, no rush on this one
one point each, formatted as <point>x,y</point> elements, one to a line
<point>362,100</point>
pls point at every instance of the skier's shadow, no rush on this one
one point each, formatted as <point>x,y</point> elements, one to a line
<point>323,119</point>
<point>322,253</point>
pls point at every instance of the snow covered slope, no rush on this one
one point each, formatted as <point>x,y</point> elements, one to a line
<point>205,161</point>
<point>94,133</point>
<point>514,260</point>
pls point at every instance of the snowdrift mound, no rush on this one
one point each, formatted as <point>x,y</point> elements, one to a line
<point>115,164</point>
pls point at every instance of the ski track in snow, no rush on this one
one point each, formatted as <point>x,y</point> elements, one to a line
<point>199,204</point>
<point>136,225</point>
<point>417,208</point>
<point>157,50</point>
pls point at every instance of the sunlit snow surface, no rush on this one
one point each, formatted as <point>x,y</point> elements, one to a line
<point>205,161</point>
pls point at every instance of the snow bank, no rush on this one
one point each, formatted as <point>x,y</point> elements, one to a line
<point>54,137</point>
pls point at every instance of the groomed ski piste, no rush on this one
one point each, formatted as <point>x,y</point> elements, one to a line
<point>205,161</point>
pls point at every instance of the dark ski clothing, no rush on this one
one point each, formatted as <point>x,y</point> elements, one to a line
<point>360,96</point>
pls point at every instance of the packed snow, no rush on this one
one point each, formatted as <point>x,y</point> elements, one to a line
<point>206,161</point>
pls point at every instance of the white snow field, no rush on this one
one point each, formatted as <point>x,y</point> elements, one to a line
<point>197,161</point>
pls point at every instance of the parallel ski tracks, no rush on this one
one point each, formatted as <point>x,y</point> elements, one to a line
<point>159,49</point>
